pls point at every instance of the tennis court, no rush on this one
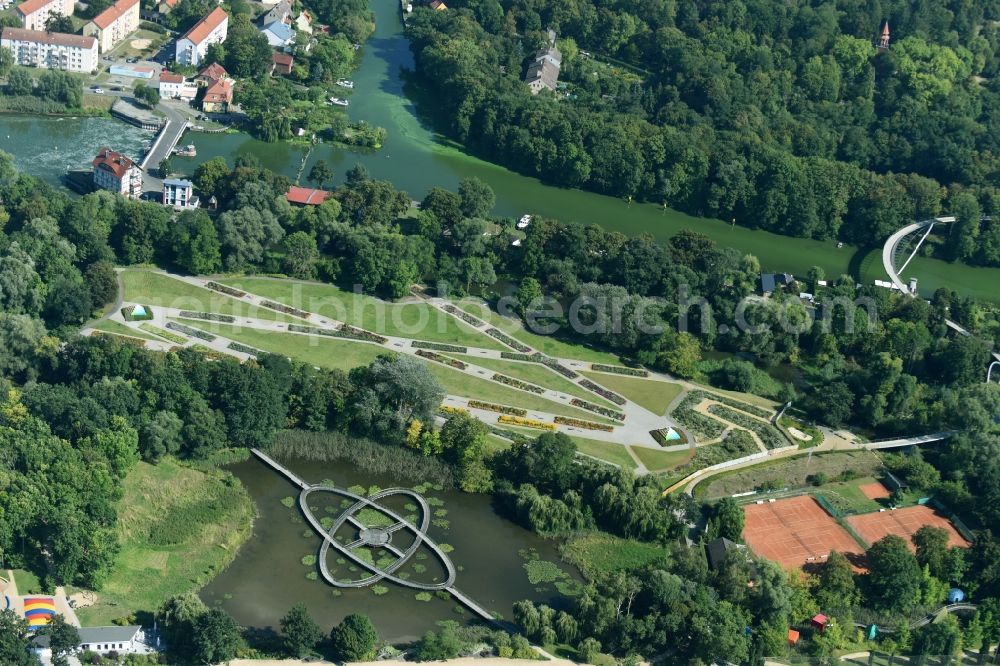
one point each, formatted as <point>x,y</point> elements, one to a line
<point>795,532</point>
<point>874,491</point>
<point>903,522</point>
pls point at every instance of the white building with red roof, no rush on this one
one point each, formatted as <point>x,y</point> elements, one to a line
<point>34,13</point>
<point>116,172</point>
<point>175,86</point>
<point>193,46</point>
<point>306,196</point>
<point>114,24</point>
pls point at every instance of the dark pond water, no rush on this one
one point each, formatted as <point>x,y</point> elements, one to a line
<point>268,576</point>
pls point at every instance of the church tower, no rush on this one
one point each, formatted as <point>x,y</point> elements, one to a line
<point>883,42</point>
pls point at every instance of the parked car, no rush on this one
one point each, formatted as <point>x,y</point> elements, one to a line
<point>98,91</point>
<point>116,89</point>
<point>131,61</point>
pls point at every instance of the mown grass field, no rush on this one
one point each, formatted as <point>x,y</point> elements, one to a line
<point>653,395</point>
<point>543,343</point>
<point>846,496</point>
<point>791,472</point>
<point>28,583</point>
<point>599,553</point>
<point>117,328</point>
<point>177,527</point>
<point>537,374</point>
<point>155,289</point>
<point>419,321</point>
<point>609,451</point>
<point>662,461</point>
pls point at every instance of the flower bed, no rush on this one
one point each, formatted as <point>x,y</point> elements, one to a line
<point>187,330</point>
<point>208,316</point>
<point>312,330</point>
<point>769,435</point>
<point>516,383</point>
<point>166,335</point>
<point>438,346</point>
<point>362,334</point>
<point>514,356</point>
<point>463,315</point>
<point>558,367</point>
<point>619,370</point>
<point>246,349</point>
<point>493,407</point>
<point>735,404</point>
<point>525,423</point>
<point>229,291</point>
<point>597,409</point>
<point>701,425</point>
<point>448,409</point>
<point>129,313</point>
<point>433,356</point>
<point>737,444</point>
<point>302,314</point>
<point>507,340</point>
<point>601,391</point>
<point>589,425</point>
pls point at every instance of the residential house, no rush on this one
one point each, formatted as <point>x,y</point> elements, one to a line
<point>305,196</point>
<point>102,640</point>
<point>175,86</point>
<point>279,35</point>
<point>114,24</point>
<point>51,50</point>
<point>218,96</point>
<point>116,172</point>
<point>281,63</point>
<point>193,46</point>
<point>303,22</point>
<point>438,6</point>
<point>179,194</point>
<point>718,550</point>
<point>543,73</point>
<point>34,13</point>
<point>281,12</point>
<point>166,6</point>
<point>213,72</point>
<point>769,282</point>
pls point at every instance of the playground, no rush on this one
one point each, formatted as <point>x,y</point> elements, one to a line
<point>796,532</point>
<point>903,522</point>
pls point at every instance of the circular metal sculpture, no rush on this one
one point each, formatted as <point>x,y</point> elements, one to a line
<point>376,537</point>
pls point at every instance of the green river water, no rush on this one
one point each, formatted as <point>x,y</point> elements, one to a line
<point>414,158</point>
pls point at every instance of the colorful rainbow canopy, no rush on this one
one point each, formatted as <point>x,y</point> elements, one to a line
<point>38,611</point>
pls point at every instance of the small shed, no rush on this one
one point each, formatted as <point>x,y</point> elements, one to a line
<point>955,595</point>
<point>819,622</point>
<point>793,637</point>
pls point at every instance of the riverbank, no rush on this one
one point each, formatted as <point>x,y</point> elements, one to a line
<point>461,661</point>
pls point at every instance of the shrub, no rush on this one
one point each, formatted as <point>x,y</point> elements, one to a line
<point>558,367</point>
<point>768,434</point>
<point>704,426</point>
<point>619,370</point>
<point>514,356</point>
<point>423,353</point>
<point>525,422</point>
<point>492,407</point>
<point>447,409</point>
<point>438,346</point>
<point>463,315</point>
<point>193,332</point>
<point>516,383</point>
<point>598,409</point>
<point>507,340</point>
<point>166,335</point>
<point>737,444</point>
<point>302,314</point>
<point>589,425</point>
<point>208,316</point>
<point>229,291</point>
<point>601,391</point>
<point>362,334</point>
<point>246,349</point>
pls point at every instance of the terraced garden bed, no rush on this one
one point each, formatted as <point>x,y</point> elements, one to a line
<point>619,370</point>
<point>770,436</point>
<point>601,391</point>
<point>516,383</point>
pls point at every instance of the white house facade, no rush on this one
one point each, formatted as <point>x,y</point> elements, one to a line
<point>193,46</point>
<point>51,50</point>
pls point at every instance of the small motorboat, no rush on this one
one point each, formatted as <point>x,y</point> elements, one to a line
<point>524,221</point>
<point>346,83</point>
<point>336,101</point>
<point>187,151</point>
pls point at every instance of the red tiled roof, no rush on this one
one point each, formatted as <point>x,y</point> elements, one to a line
<point>204,27</point>
<point>32,6</point>
<point>219,91</point>
<point>57,38</point>
<point>170,77</point>
<point>171,3</point>
<point>113,13</point>
<point>282,59</point>
<point>214,71</point>
<point>306,195</point>
<point>112,161</point>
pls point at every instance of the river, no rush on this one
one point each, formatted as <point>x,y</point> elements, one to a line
<point>414,158</point>
<point>268,575</point>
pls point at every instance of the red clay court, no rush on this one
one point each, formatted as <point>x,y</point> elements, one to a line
<point>903,522</point>
<point>874,491</point>
<point>795,531</point>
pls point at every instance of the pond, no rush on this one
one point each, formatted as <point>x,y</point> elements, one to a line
<point>269,575</point>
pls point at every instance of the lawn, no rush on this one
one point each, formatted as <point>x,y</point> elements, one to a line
<point>598,553</point>
<point>609,451</point>
<point>847,497</point>
<point>790,473</point>
<point>538,374</point>
<point>155,289</point>
<point>330,353</point>
<point>178,527</point>
<point>662,461</point>
<point>409,320</point>
<point>743,397</point>
<point>543,343</point>
<point>650,394</point>
<point>28,583</point>
<point>108,326</point>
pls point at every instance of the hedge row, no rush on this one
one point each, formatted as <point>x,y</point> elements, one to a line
<point>362,334</point>
<point>447,409</point>
<point>302,314</point>
<point>433,356</point>
<point>736,404</point>
<point>589,425</point>
<point>438,346</point>
<point>208,316</point>
<point>702,425</point>
<point>514,356</point>
<point>137,342</point>
<point>769,435</point>
<point>525,423</point>
<point>558,367</point>
<point>598,409</point>
<point>229,291</point>
<point>187,330</point>
<point>507,340</point>
<point>516,383</point>
<point>502,409</point>
<point>619,370</point>
<point>601,391</point>
<point>246,349</point>
<point>166,335</point>
<point>463,315</point>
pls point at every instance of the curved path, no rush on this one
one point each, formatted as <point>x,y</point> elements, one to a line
<point>961,606</point>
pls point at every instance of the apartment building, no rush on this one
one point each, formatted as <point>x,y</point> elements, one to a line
<point>34,13</point>
<point>193,46</point>
<point>114,24</point>
<point>51,50</point>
